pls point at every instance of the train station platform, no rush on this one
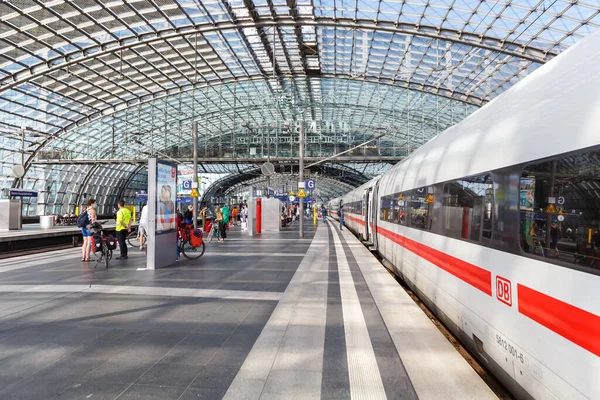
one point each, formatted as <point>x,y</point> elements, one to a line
<point>265,317</point>
<point>33,236</point>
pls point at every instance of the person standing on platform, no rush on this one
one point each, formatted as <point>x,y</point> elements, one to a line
<point>143,226</point>
<point>341,217</point>
<point>244,217</point>
<point>83,221</point>
<point>234,215</point>
<point>203,216</point>
<point>123,227</point>
<point>324,213</point>
<point>218,220</point>
<point>189,215</point>
<point>226,215</point>
<point>91,209</point>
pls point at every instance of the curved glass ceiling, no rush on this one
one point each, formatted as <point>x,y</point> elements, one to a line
<point>122,79</point>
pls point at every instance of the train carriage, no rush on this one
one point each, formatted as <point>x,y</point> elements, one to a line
<point>495,224</point>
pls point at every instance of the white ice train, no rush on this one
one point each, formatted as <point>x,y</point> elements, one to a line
<point>494,223</point>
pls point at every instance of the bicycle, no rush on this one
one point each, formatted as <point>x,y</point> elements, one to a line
<point>102,246</point>
<point>213,231</point>
<point>538,249</point>
<point>133,238</point>
<point>190,243</point>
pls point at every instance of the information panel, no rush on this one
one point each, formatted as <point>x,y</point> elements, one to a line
<point>166,185</point>
<point>162,195</point>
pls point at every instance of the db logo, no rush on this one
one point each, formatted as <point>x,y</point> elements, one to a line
<point>503,290</point>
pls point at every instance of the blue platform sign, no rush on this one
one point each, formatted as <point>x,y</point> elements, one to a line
<point>187,185</point>
<point>22,193</point>
<point>310,184</point>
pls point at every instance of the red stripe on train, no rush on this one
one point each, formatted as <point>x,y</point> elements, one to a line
<point>572,323</point>
<point>358,220</point>
<point>477,277</point>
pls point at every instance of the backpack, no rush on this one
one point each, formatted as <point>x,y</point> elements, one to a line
<point>83,220</point>
<point>196,238</point>
<point>225,212</point>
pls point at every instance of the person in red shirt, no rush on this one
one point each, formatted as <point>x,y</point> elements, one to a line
<point>234,214</point>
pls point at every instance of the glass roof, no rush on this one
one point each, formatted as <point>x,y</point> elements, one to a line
<point>125,79</point>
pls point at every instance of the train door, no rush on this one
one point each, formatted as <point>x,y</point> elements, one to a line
<point>364,235</point>
<point>373,207</point>
<point>369,217</point>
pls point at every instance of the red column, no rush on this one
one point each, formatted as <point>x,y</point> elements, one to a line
<point>258,215</point>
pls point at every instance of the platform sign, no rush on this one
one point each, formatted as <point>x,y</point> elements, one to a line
<point>22,193</point>
<point>310,184</point>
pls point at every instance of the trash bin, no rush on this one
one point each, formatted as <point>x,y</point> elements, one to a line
<point>47,221</point>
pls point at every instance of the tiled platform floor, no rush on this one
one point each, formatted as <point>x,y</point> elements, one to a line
<point>272,316</point>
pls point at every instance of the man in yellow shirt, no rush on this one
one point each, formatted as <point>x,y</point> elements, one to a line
<point>123,227</point>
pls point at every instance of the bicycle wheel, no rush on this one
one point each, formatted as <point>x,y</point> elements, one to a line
<point>211,234</point>
<point>107,254</point>
<point>190,252</point>
<point>133,239</point>
<point>98,256</point>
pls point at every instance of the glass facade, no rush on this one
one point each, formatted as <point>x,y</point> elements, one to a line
<point>123,81</point>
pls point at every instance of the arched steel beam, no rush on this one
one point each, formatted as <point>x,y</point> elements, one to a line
<point>470,39</point>
<point>170,92</point>
<point>346,175</point>
<point>85,183</point>
<point>424,88</point>
<point>327,186</point>
<point>132,175</point>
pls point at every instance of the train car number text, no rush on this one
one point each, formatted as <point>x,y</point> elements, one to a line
<point>511,349</point>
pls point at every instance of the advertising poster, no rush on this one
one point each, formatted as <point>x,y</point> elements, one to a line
<point>527,193</point>
<point>166,187</point>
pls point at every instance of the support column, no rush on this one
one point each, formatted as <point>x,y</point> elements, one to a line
<point>195,175</point>
<point>301,176</point>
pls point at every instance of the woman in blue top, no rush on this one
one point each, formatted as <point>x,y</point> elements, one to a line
<point>87,234</point>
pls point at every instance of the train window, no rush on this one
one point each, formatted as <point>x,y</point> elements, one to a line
<point>467,208</point>
<point>559,208</point>
<point>393,208</point>
<point>421,208</point>
<point>354,207</point>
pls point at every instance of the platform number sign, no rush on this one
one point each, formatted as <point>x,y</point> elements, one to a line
<point>504,290</point>
<point>187,185</point>
<point>311,184</point>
